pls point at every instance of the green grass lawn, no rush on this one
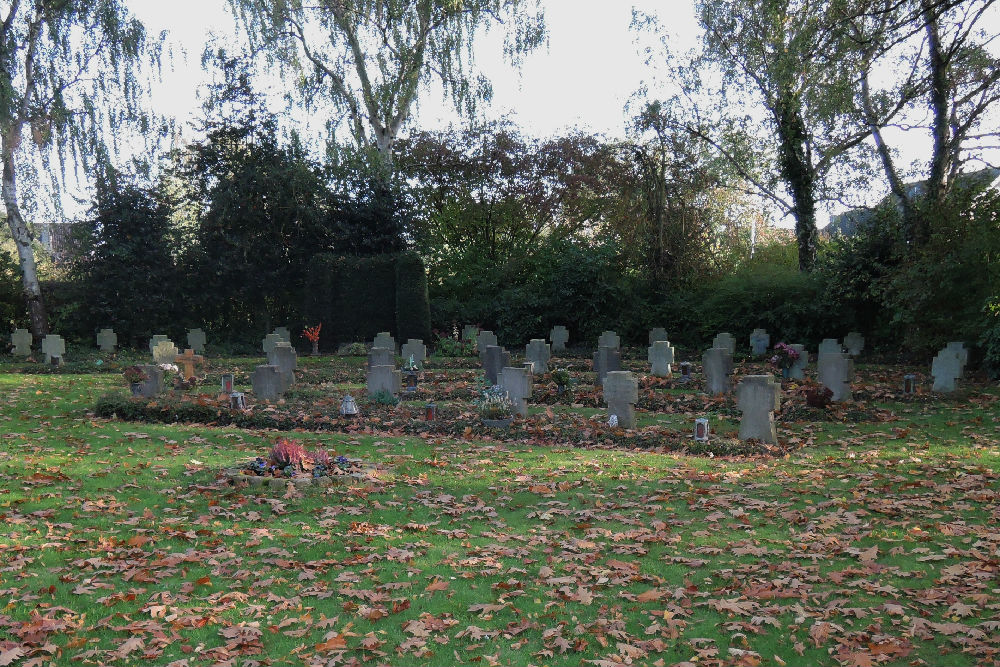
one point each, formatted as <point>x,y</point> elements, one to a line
<point>120,543</point>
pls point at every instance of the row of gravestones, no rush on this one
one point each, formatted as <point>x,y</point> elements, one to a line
<point>270,381</point>
<point>382,374</point>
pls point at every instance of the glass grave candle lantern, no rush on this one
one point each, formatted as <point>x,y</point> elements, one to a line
<point>227,383</point>
<point>237,401</point>
<point>701,430</point>
<point>349,407</point>
<point>909,384</point>
<point>685,371</point>
<point>430,411</point>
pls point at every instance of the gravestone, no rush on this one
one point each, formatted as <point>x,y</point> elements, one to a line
<point>958,348</point>
<point>381,356</point>
<point>758,397</point>
<point>517,382</point>
<point>484,340</point>
<point>606,360</point>
<point>798,369</point>
<point>658,334</point>
<point>559,337</point>
<point>285,334</point>
<point>384,378</point>
<point>196,340</point>
<point>156,340</point>
<point>538,353</point>
<point>188,361</point>
<point>414,347</point>
<point>165,352</point>
<point>621,393</point>
<point>726,341</point>
<point>835,371</point>
<point>717,365</point>
<point>946,369</point>
<point>661,355</point>
<point>21,338</point>
<point>268,383</point>
<point>760,340</point>
<point>385,339</point>
<point>152,386</point>
<point>54,346</point>
<point>609,339</point>
<point>107,339</point>
<point>283,356</point>
<point>830,346</point>
<point>854,342</point>
<point>270,340</point>
<point>469,332</point>
<point>495,359</point>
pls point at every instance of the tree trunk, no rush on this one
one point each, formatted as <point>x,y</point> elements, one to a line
<point>798,173</point>
<point>22,240</point>
<point>940,168</point>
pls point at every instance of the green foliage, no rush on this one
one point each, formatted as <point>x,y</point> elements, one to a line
<point>413,312</point>
<point>990,340</point>
<point>446,345</point>
<point>12,312</point>
<point>383,397</point>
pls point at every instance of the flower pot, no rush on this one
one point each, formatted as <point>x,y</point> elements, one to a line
<point>136,388</point>
<point>786,373</point>
<point>315,350</point>
<point>560,389</point>
<point>411,378</point>
<point>498,423</point>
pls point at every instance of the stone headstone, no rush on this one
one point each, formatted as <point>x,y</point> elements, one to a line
<point>268,383</point>
<point>152,386</point>
<point>495,359</point>
<point>621,393</point>
<point>854,342</point>
<point>21,338</point>
<point>726,341</point>
<point>946,369</point>
<point>156,340</point>
<point>469,332</point>
<point>285,334</point>
<point>538,353</point>
<point>270,340</point>
<point>107,340</point>
<point>958,348</point>
<point>517,382</point>
<point>717,365</point>
<point>53,346</point>
<point>835,371</point>
<point>609,339</point>
<point>758,397</point>
<point>661,355</point>
<point>559,337</point>
<point>606,360</point>
<point>760,340</point>
<point>798,369</point>
<point>165,352</point>
<point>196,340</point>
<point>414,347</point>
<point>284,357</point>
<point>188,361</point>
<point>484,340</point>
<point>830,346</point>
<point>657,334</point>
<point>385,339</point>
<point>381,356</point>
<point>384,378</point>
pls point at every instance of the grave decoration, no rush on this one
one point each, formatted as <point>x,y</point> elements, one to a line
<point>495,407</point>
<point>311,334</point>
<point>289,459</point>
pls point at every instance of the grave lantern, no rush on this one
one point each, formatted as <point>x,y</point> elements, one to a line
<point>227,383</point>
<point>685,371</point>
<point>237,401</point>
<point>430,411</point>
<point>701,430</point>
<point>348,407</point>
<point>909,384</point>
<point>56,360</point>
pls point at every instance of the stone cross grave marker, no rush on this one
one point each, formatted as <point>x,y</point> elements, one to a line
<point>726,341</point>
<point>381,356</point>
<point>621,393</point>
<point>830,346</point>
<point>517,382</point>
<point>53,346</point>
<point>854,342</point>
<point>152,386</point>
<point>156,340</point>
<point>609,339</point>
<point>559,337</point>
<point>835,372</point>
<point>384,378</point>
<point>758,396</point>
<point>188,361</point>
<point>760,340</point>
<point>270,340</point>
<point>495,359</point>
<point>661,355</point>
<point>107,339</point>
<point>484,340</point>
<point>21,338</point>
<point>196,340</point>
<point>284,357</point>
<point>538,353</point>
<point>285,334</point>
<point>657,334</point>
<point>717,365</point>
<point>606,360</point>
<point>798,369</point>
<point>165,352</point>
<point>946,369</point>
<point>958,347</point>
<point>385,339</point>
<point>414,347</point>
<point>268,383</point>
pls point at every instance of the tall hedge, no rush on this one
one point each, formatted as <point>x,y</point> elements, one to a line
<point>357,297</point>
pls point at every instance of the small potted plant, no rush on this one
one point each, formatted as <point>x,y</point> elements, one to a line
<point>411,374</point>
<point>784,357</point>
<point>562,378</point>
<point>134,377</point>
<point>817,396</point>
<point>311,334</point>
<point>495,407</point>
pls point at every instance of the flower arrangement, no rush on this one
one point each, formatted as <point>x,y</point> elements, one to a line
<point>785,356</point>
<point>561,377</point>
<point>493,403</point>
<point>134,375</point>
<point>288,458</point>
<point>311,334</point>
